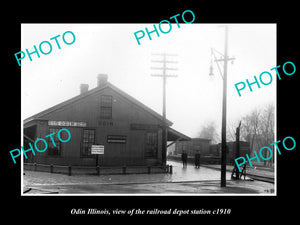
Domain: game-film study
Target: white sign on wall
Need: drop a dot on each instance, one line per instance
(67, 123)
(97, 149)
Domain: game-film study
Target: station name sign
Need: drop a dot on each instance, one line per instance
(67, 123)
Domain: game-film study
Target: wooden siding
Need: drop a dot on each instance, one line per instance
(124, 113)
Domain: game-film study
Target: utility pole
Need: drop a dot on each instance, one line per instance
(225, 59)
(164, 75)
(223, 159)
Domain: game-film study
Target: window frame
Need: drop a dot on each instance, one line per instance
(151, 140)
(106, 106)
(89, 143)
(57, 142)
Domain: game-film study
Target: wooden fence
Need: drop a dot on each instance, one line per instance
(98, 170)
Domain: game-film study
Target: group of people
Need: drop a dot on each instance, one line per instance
(184, 157)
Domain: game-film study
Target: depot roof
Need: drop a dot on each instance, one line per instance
(172, 134)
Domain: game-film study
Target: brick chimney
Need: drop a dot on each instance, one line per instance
(102, 80)
(84, 88)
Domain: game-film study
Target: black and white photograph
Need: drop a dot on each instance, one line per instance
(138, 112)
(150, 115)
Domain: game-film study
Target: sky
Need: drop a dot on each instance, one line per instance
(193, 98)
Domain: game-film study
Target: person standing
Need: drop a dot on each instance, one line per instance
(197, 159)
(184, 159)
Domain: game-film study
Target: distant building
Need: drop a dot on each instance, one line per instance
(190, 147)
(171, 149)
(231, 150)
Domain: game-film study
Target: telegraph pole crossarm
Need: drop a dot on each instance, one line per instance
(160, 68)
(158, 75)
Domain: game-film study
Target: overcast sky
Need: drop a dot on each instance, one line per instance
(193, 98)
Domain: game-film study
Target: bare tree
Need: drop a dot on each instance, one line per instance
(266, 130)
(258, 129)
(267, 124)
(249, 130)
(209, 131)
(231, 130)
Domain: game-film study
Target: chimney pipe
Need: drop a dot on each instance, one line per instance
(84, 88)
(102, 80)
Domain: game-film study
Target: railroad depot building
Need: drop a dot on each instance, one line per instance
(130, 132)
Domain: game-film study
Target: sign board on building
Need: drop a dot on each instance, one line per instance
(97, 149)
(121, 139)
(139, 126)
(67, 123)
